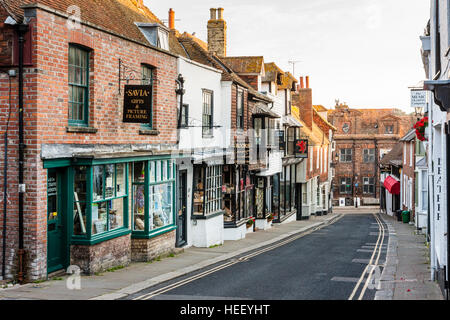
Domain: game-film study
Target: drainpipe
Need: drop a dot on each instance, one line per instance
(21, 30)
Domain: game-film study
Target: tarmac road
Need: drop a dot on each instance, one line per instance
(327, 264)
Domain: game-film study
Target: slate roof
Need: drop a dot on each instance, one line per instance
(117, 16)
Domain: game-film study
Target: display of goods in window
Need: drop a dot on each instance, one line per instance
(420, 127)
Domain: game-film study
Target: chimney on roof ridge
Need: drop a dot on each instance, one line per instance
(217, 33)
(171, 19)
(213, 12)
(220, 13)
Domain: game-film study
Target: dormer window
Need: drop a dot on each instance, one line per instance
(156, 34)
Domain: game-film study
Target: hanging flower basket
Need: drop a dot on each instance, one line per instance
(420, 128)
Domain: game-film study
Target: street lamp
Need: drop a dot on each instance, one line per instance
(418, 111)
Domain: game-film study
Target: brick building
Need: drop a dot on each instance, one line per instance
(88, 173)
(363, 136)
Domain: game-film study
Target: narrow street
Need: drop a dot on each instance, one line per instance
(340, 254)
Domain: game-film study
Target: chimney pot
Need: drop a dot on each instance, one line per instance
(307, 82)
(171, 19)
(220, 13)
(213, 14)
(302, 83)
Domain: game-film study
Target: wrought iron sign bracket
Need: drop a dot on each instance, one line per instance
(128, 74)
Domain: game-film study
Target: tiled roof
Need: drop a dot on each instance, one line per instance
(287, 80)
(271, 72)
(315, 135)
(196, 52)
(245, 64)
(320, 108)
(394, 156)
(117, 16)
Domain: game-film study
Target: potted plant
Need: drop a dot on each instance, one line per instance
(420, 127)
(270, 218)
(250, 223)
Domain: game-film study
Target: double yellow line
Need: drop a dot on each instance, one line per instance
(180, 283)
(376, 251)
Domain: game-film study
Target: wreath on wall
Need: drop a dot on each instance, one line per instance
(420, 127)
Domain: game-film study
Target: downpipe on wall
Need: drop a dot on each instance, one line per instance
(21, 31)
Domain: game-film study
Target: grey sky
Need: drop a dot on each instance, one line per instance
(363, 52)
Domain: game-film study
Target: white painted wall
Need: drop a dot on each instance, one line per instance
(198, 77)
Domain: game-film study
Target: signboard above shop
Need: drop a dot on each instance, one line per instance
(137, 104)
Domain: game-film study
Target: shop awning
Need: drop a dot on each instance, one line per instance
(290, 121)
(264, 111)
(392, 185)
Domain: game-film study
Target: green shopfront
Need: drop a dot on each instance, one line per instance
(107, 210)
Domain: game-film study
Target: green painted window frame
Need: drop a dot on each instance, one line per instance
(148, 71)
(77, 122)
(89, 238)
(148, 233)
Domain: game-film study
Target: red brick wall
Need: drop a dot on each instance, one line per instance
(303, 100)
(46, 116)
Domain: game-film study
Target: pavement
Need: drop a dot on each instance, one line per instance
(119, 283)
(405, 275)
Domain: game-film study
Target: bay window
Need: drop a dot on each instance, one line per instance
(207, 198)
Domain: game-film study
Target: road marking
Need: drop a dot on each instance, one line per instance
(376, 262)
(369, 250)
(355, 289)
(180, 283)
(345, 279)
(365, 261)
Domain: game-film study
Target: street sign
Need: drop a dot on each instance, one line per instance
(418, 98)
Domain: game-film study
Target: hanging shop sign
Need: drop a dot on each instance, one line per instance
(418, 98)
(137, 104)
(301, 148)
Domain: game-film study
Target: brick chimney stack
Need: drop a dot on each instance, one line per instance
(217, 33)
(171, 19)
(303, 100)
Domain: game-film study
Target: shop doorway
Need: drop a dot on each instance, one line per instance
(57, 248)
(182, 209)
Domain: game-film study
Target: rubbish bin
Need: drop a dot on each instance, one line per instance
(405, 216)
(399, 215)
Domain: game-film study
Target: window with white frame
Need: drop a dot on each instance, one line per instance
(411, 147)
(424, 190)
(345, 185)
(346, 155)
(369, 155)
(207, 112)
(318, 158)
(404, 153)
(368, 185)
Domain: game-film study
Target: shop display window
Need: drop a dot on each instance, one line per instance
(207, 190)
